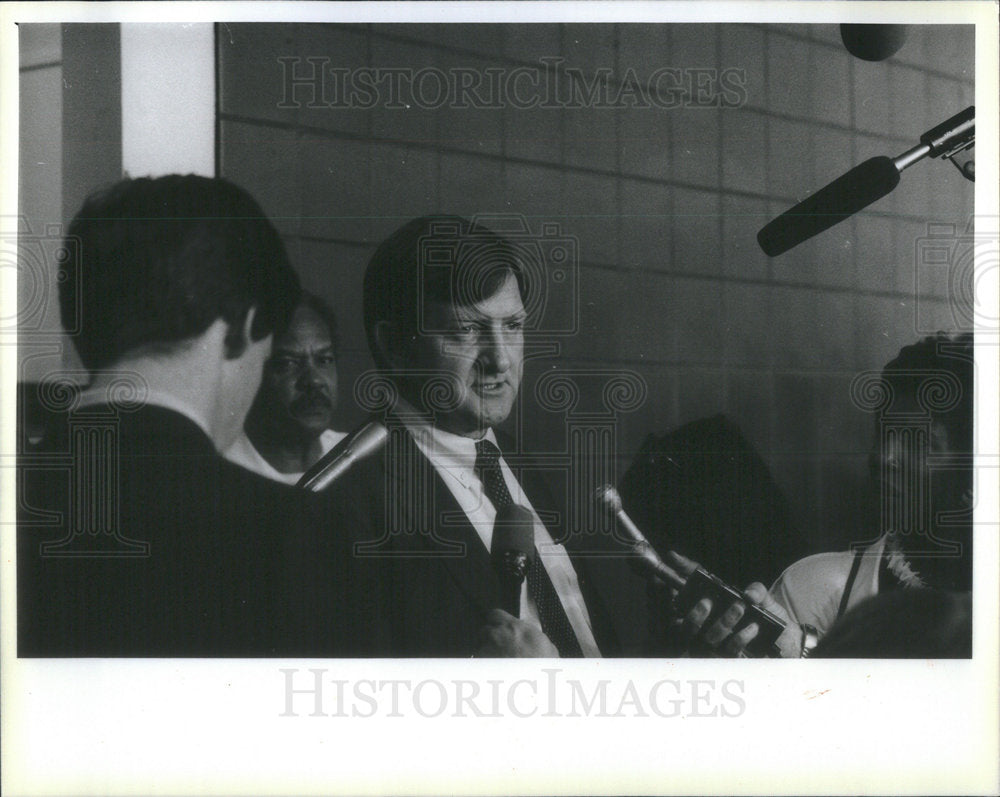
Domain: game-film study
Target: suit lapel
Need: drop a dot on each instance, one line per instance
(432, 524)
(554, 514)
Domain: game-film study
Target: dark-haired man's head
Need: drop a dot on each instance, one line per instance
(922, 460)
(166, 267)
(903, 624)
(444, 305)
(161, 259)
(298, 392)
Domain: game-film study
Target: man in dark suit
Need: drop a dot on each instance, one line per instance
(444, 306)
(136, 538)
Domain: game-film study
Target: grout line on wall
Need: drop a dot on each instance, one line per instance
(36, 67)
(593, 171)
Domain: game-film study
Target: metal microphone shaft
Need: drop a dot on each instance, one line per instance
(644, 556)
(357, 445)
(698, 585)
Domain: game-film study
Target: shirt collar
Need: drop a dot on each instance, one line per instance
(453, 452)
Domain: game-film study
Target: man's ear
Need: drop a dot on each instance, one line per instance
(238, 336)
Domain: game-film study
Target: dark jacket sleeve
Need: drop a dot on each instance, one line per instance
(336, 603)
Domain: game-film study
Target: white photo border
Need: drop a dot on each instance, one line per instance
(115, 727)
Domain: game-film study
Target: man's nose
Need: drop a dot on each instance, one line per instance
(495, 352)
(309, 376)
(888, 457)
(901, 450)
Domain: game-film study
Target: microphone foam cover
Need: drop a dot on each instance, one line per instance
(513, 530)
(607, 498)
(845, 196)
(873, 42)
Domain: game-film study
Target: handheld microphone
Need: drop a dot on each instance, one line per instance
(863, 185)
(512, 551)
(698, 584)
(644, 560)
(331, 466)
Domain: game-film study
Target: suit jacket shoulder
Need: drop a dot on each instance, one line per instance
(137, 539)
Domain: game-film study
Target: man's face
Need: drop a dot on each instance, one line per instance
(914, 490)
(299, 387)
(900, 465)
(479, 349)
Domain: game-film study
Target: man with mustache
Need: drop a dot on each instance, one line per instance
(288, 427)
(136, 538)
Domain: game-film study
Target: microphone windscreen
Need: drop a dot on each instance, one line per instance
(513, 531)
(845, 196)
(873, 42)
(607, 498)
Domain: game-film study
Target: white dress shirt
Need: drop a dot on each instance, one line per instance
(454, 458)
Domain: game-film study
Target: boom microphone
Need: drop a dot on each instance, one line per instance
(845, 196)
(873, 42)
(862, 185)
(331, 466)
(512, 551)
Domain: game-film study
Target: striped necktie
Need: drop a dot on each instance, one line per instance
(555, 623)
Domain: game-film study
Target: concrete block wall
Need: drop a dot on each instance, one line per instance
(664, 204)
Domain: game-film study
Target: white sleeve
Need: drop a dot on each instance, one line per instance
(810, 590)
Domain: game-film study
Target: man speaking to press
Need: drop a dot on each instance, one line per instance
(447, 516)
(448, 340)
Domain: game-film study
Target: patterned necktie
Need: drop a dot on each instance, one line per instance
(555, 624)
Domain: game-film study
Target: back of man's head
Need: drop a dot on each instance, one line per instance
(437, 258)
(903, 624)
(162, 259)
